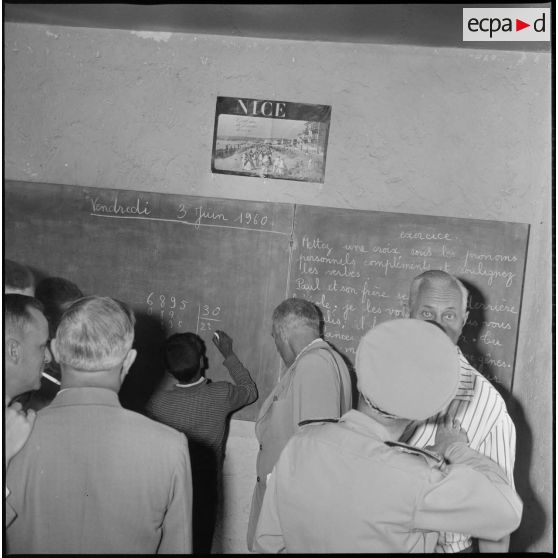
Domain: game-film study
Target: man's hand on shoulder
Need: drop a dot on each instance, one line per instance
(448, 433)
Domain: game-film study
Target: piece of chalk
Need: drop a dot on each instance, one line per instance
(52, 379)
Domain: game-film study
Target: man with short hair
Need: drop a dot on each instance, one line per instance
(316, 385)
(94, 477)
(18, 279)
(56, 294)
(26, 349)
(25, 355)
(200, 408)
(350, 487)
(442, 298)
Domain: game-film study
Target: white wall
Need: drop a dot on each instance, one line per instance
(456, 132)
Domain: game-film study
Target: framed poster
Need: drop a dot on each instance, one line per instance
(270, 139)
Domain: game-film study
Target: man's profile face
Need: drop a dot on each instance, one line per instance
(442, 303)
(34, 351)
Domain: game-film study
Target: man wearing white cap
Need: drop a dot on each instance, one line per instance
(348, 486)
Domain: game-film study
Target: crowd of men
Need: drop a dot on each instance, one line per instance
(421, 460)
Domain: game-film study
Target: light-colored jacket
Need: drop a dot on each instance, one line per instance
(316, 386)
(96, 478)
(338, 488)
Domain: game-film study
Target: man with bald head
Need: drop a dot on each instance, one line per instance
(94, 477)
(439, 297)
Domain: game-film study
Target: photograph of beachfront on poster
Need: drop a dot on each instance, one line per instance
(271, 146)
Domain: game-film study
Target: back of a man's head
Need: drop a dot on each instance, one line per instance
(295, 313)
(183, 353)
(18, 279)
(94, 334)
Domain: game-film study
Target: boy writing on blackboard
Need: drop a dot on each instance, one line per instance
(199, 408)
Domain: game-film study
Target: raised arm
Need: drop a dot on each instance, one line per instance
(245, 390)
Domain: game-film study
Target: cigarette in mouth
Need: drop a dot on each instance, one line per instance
(51, 378)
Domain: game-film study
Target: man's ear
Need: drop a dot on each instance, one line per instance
(54, 349)
(13, 350)
(127, 363)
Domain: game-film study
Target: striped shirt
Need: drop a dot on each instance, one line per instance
(200, 411)
(483, 415)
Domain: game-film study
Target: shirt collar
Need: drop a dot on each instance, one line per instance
(85, 396)
(318, 342)
(315, 343)
(196, 383)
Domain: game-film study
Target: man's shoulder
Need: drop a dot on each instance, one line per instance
(319, 355)
(179, 394)
(143, 426)
(341, 438)
(122, 427)
(420, 456)
(478, 383)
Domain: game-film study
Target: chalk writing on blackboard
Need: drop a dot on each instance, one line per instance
(180, 314)
(139, 207)
(195, 216)
(357, 266)
(326, 268)
(191, 263)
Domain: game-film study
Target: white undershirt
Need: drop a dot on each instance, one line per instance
(202, 379)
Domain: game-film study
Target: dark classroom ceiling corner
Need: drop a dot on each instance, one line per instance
(433, 25)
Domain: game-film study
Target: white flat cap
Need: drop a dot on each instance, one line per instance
(407, 368)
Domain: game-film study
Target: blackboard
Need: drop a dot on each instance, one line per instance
(188, 263)
(358, 265)
(183, 264)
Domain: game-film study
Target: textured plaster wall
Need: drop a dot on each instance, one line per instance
(456, 132)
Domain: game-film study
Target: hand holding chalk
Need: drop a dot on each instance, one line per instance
(223, 342)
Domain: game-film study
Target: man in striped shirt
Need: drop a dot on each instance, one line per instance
(199, 408)
(440, 297)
